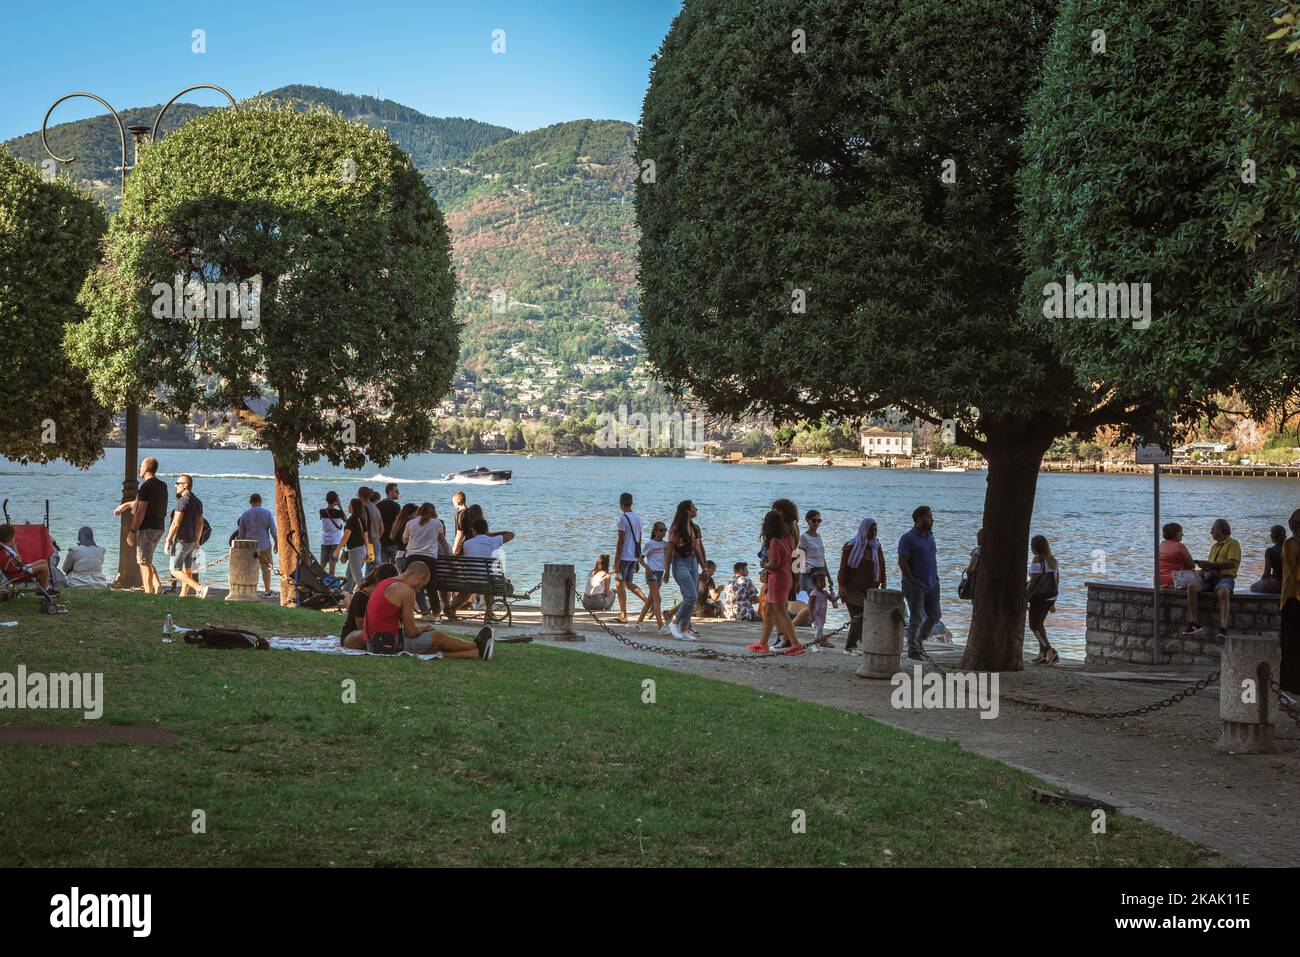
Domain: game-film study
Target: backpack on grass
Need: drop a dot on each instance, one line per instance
(227, 639)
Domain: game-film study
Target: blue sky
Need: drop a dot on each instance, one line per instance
(563, 60)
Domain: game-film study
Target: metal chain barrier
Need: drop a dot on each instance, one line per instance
(1288, 709)
(1173, 699)
(693, 654)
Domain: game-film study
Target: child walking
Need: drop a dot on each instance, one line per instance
(652, 557)
(818, 599)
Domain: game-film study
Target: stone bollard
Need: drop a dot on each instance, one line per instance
(558, 583)
(243, 570)
(1248, 724)
(882, 633)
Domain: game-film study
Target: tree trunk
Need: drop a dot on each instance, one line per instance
(997, 630)
(290, 521)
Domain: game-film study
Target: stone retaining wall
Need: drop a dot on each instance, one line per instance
(1119, 623)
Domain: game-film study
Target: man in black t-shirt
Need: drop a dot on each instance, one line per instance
(148, 512)
(183, 537)
(389, 509)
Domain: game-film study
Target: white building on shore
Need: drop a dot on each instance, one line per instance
(878, 441)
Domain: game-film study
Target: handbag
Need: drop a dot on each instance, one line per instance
(384, 643)
(966, 588)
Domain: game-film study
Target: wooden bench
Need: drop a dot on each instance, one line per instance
(478, 576)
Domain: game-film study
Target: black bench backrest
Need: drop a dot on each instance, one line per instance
(472, 574)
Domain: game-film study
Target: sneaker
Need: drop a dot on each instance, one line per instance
(915, 654)
(1192, 631)
(675, 631)
(795, 650)
(758, 648)
(1288, 699)
(690, 630)
(203, 590)
(485, 642)
(689, 635)
(1221, 637)
(853, 651)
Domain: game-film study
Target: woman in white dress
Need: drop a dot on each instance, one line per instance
(84, 564)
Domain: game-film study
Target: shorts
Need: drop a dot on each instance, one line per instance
(146, 540)
(598, 602)
(183, 556)
(264, 557)
(627, 571)
(1215, 581)
(420, 644)
(654, 576)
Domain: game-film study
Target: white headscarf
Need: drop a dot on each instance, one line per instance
(861, 543)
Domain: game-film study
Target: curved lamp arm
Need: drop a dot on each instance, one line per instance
(121, 130)
(153, 137)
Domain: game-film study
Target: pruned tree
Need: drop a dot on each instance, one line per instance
(831, 224)
(1262, 204)
(49, 241)
(290, 267)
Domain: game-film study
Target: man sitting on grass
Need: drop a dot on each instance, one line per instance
(391, 610)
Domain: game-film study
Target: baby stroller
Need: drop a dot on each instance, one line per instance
(314, 588)
(32, 543)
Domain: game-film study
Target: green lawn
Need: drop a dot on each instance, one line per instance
(561, 742)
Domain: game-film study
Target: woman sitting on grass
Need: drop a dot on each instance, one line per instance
(354, 621)
(598, 596)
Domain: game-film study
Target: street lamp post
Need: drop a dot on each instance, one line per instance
(128, 572)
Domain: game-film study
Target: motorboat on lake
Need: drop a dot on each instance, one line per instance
(479, 474)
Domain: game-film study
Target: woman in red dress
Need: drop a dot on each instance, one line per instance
(780, 579)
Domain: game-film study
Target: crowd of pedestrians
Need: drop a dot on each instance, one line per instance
(797, 583)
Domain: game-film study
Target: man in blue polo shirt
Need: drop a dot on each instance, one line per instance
(918, 560)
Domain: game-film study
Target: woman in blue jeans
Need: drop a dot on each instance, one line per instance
(687, 551)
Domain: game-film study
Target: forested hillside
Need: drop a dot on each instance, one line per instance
(544, 243)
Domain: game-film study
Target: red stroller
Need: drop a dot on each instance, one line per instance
(31, 544)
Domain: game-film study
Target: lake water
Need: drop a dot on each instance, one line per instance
(564, 509)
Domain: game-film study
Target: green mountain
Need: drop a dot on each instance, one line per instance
(430, 140)
(544, 242)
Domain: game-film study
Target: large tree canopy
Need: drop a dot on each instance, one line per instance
(780, 173)
(353, 257)
(351, 342)
(1262, 204)
(1127, 152)
(864, 159)
(49, 240)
